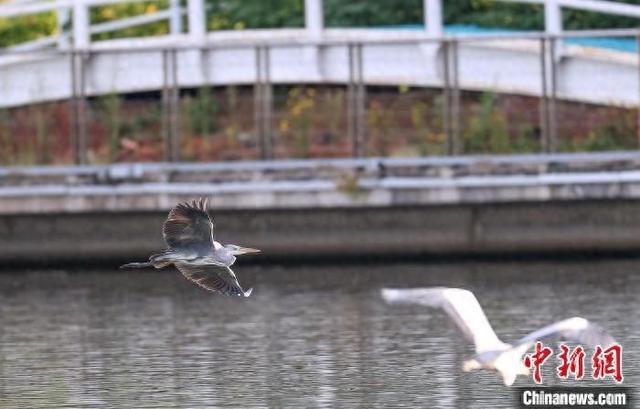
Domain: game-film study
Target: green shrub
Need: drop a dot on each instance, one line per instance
(487, 131)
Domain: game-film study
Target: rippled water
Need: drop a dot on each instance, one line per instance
(309, 337)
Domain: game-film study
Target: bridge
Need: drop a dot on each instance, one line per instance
(537, 64)
(69, 66)
(549, 65)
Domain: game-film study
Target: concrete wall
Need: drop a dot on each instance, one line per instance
(369, 207)
(498, 229)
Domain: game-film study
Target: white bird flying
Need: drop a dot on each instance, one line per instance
(491, 353)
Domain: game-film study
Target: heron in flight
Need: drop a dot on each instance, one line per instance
(192, 249)
(491, 353)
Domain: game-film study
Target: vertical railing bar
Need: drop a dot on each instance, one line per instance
(257, 100)
(543, 117)
(82, 111)
(361, 103)
(166, 132)
(446, 91)
(205, 52)
(256, 93)
(351, 113)
(73, 112)
(175, 20)
(78, 126)
(456, 117)
(553, 117)
(267, 105)
(175, 100)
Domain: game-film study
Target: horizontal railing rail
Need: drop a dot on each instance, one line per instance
(117, 46)
(372, 166)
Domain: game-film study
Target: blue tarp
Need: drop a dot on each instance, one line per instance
(618, 44)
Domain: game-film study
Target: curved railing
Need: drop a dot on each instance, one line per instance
(75, 13)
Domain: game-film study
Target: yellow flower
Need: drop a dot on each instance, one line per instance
(108, 13)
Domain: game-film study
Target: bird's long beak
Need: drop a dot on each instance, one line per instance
(247, 250)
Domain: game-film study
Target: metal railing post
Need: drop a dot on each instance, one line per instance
(548, 99)
(267, 97)
(456, 108)
(552, 17)
(73, 114)
(432, 10)
(175, 108)
(81, 33)
(175, 21)
(81, 41)
(263, 96)
(351, 129)
(170, 106)
(197, 23)
(446, 95)
(544, 114)
(553, 80)
(78, 109)
(166, 132)
(356, 101)
(314, 18)
(553, 23)
(360, 105)
(257, 99)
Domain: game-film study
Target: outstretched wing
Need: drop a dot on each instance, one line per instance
(460, 305)
(219, 279)
(574, 329)
(188, 224)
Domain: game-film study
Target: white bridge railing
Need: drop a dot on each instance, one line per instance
(77, 13)
(73, 67)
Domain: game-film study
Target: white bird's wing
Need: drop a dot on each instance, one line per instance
(461, 306)
(574, 329)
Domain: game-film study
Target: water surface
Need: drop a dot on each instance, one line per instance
(309, 337)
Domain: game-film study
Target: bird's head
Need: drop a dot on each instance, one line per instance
(237, 250)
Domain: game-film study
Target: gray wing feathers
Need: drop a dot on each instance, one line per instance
(188, 224)
(460, 305)
(220, 279)
(574, 329)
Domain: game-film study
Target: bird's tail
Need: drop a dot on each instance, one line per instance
(145, 264)
(248, 292)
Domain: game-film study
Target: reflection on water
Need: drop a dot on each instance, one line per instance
(309, 337)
